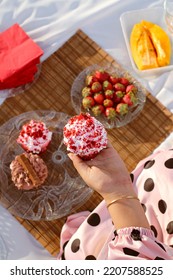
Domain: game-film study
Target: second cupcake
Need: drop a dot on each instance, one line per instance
(34, 137)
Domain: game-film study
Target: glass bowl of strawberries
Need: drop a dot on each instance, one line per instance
(108, 93)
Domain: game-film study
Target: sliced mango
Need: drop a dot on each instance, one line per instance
(150, 45)
(147, 24)
(143, 51)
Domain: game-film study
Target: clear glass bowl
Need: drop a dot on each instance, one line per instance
(6, 93)
(79, 83)
(63, 191)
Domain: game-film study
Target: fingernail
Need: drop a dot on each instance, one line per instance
(70, 156)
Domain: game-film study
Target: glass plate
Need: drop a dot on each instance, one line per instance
(63, 190)
(6, 93)
(79, 83)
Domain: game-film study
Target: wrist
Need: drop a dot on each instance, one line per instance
(127, 213)
(123, 192)
(120, 198)
(115, 189)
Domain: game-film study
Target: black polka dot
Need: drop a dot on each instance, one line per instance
(63, 256)
(93, 220)
(154, 230)
(115, 233)
(171, 246)
(169, 163)
(170, 228)
(75, 245)
(128, 251)
(90, 257)
(159, 258)
(162, 206)
(161, 246)
(149, 163)
(132, 177)
(135, 234)
(144, 207)
(65, 243)
(149, 185)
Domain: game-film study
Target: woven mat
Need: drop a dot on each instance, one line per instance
(52, 92)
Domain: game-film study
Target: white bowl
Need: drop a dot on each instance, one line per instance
(155, 15)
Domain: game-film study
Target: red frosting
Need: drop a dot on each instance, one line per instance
(34, 136)
(85, 136)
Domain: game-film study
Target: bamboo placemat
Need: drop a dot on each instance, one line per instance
(52, 92)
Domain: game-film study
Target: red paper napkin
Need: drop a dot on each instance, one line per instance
(19, 57)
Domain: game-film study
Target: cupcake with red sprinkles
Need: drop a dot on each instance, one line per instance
(85, 136)
(34, 137)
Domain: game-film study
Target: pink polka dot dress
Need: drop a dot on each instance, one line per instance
(92, 236)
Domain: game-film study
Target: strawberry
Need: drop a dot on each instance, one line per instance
(86, 91)
(118, 95)
(131, 88)
(88, 102)
(113, 79)
(99, 98)
(107, 85)
(90, 79)
(130, 99)
(109, 94)
(97, 110)
(122, 109)
(96, 87)
(101, 75)
(119, 86)
(108, 103)
(110, 113)
(124, 81)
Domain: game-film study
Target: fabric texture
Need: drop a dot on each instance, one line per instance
(19, 56)
(92, 236)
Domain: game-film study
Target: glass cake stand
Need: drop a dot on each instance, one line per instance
(63, 191)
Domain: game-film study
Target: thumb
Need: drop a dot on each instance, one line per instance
(79, 164)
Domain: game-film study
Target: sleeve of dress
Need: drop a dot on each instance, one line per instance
(138, 244)
(73, 222)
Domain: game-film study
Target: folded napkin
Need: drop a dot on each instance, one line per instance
(19, 57)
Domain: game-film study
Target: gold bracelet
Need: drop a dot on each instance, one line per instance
(122, 197)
